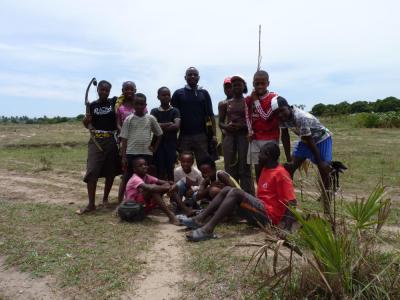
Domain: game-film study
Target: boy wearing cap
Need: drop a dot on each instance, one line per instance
(315, 141)
(235, 143)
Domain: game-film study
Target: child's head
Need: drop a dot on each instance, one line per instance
(228, 88)
(260, 82)
(269, 154)
(139, 105)
(282, 108)
(103, 89)
(187, 160)
(164, 95)
(140, 166)
(128, 90)
(207, 168)
(239, 86)
(192, 76)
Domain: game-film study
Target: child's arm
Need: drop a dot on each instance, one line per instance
(173, 126)
(155, 188)
(285, 137)
(289, 218)
(222, 106)
(225, 179)
(156, 144)
(118, 120)
(203, 189)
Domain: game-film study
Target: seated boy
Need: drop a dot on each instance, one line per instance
(275, 192)
(214, 181)
(315, 139)
(187, 179)
(147, 190)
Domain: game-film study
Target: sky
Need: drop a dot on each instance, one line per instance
(315, 51)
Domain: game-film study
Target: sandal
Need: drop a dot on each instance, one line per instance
(199, 235)
(85, 210)
(189, 223)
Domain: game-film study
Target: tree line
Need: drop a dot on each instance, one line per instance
(40, 120)
(379, 106)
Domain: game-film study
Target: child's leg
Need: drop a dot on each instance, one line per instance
(91, 189)
(214, 191)
(107, 188)
(178, 200)
(213, 206)
(158, 199)
(232, 200)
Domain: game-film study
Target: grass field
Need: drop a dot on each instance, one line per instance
(97, 257)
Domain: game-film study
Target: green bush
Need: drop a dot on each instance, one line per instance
(378, 120)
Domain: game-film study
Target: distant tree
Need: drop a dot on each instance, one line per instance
(300, 106)
(80, 117)
(318, 109)
(342, 108)
(387, 104)
(360, 106)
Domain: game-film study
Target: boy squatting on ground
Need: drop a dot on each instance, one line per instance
(315, 139)
(148, 190)
(274, 194)
(136, 136)
(187, 179)
(169, 119)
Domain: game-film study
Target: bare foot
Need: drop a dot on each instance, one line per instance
(85, 210)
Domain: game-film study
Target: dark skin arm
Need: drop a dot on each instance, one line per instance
(124, 143)
(222, 106)
(289, 218)
(171, 126)
(214, 129)
(203, 189)
(285, 137)
(155, 188)
(224, 178)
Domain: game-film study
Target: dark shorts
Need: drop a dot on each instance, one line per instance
(104, 163)
(252, 209)
(130, 158)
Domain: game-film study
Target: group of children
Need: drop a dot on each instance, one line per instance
(251, 127)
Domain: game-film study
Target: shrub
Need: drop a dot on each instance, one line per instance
(378, 120)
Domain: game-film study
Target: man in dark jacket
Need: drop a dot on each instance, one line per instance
(195, 106)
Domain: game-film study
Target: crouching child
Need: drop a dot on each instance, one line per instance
(147, 190)
(275, 194)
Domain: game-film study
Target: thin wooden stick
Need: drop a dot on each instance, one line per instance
(259, 48)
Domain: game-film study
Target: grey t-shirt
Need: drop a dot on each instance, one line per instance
(138, 131)
(305, 124)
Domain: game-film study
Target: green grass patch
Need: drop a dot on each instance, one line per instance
(93, 255)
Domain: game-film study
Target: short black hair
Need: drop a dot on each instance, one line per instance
(191, 69)
(163, 88)
(207, 161)
(102, 82)
(141, 95)
(135, 161)
(271, 149)
(187, 152)
(282, 102)
(261, 73)
(126, 83)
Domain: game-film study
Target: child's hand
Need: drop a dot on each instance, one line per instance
(151, 148)
(250, 136)
(254, 96)
(173, 188)
(189, 193)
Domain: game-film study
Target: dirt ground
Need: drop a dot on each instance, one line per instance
(163, 272)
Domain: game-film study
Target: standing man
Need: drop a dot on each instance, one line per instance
(195, 106)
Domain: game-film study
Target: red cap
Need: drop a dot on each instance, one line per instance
(227, 80)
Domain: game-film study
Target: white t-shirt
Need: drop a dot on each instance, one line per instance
(194, 176)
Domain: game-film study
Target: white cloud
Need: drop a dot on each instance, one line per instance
(305, 45)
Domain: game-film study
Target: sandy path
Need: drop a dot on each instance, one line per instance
(46, 187)
(161, 281)
(21, 286)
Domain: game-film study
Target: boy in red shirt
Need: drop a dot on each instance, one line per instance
(262, 124)
(274, 194)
